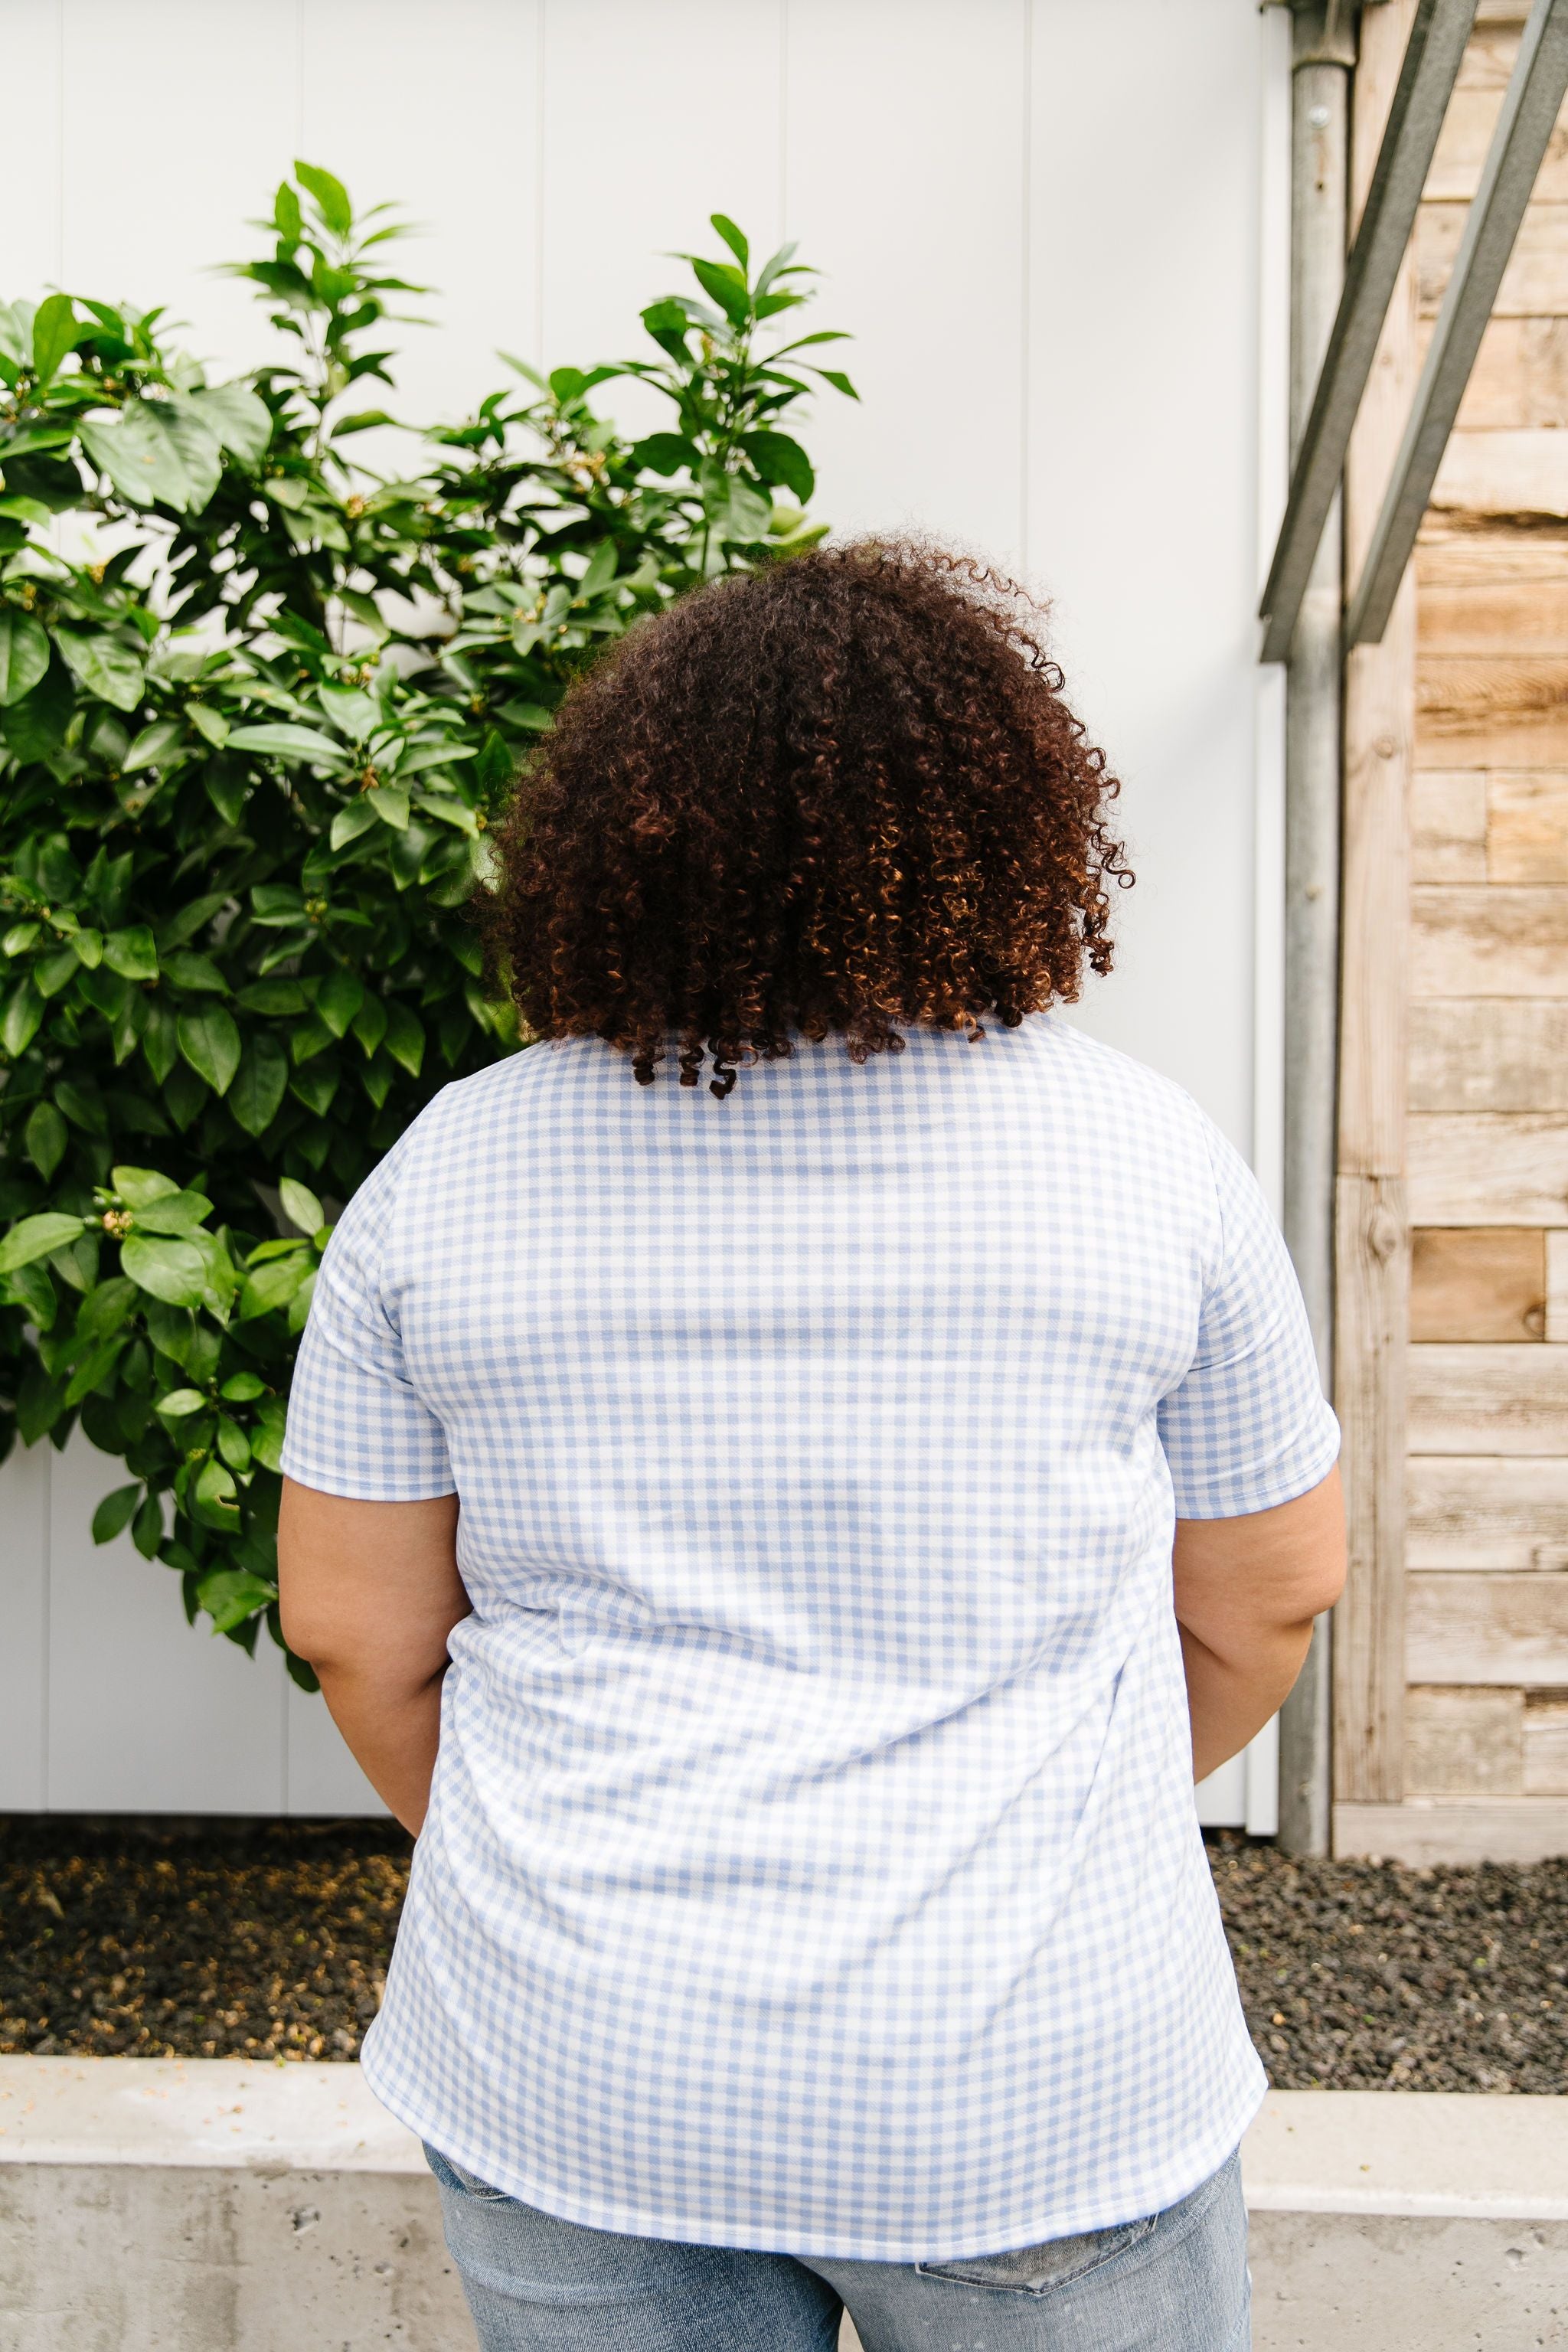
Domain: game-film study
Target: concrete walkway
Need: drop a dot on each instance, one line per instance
(165, 2205)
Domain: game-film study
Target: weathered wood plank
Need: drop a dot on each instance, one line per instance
(1491, 50)
(1467, 134)
(1372, 1229)
(1535, 283)
(1497, 1829)
(1487, 1629)
(1464, 1743)
(1545, 1743)
(1476, 562)
(1489, 941)
(1520, 377)
(1373, 1252)
(1490, 1168)
(1502, 1054)
(1484, 1512)
(1506, 712)
(1488, 1400)
(1476, 1283)
(1480, 595)
(1556, 1289)
(1509, 478)
(1449, 826)
(1527, 827)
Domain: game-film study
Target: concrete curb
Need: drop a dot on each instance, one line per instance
(171, 2205)
(1451, 2154)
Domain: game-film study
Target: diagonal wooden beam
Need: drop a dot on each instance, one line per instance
(1431, 65)
(1529, 109)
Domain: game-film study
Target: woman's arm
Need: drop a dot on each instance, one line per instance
(369, 1592)
(1246, 1593)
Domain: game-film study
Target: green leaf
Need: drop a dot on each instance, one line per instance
(140, 1187)
(89, 1373)
(277, 902)
(356, 713)
(179, 1402)
(390, 806)
(172, 1213)
(154, 746)
(197, 972)
(233, 1443)
(664, 453)
(351, 821)
(726, 286)
(404, 1037)
(208, 722)
(55, 971)
(174, 1271)
(240, 1387)
(105, 1309)
(242, 421)
(260, 1080)
(160, 1041)
(24, 1011)
(732, 238)
(55, 329)
(24, 654)
(316, 1084)
(338, 999)
(116, 1512)
(742, 516)
(131, 953)
(209, 1040)
(141, 455)
(600, 571)
(285, 741)
(229, 1595)
(267, 1437)
(269, 1286)
(300, 1205)
(83, 1105)
(35, 727)
(370, 1023)
(105, 667)
(778, 458)
(147, 1529)
(46, 1139)
(273, 996)
(38, 1237)
(330, 195)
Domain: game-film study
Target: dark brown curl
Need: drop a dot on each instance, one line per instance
(844, 794)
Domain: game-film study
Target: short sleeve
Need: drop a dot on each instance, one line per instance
(356, 1426)
(1248, 1426)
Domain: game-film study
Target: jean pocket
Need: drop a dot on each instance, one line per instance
(455, 2175)
(1035, 2270)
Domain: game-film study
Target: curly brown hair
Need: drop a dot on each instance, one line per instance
(843, 795)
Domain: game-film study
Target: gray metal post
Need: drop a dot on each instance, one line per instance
(1325, 53)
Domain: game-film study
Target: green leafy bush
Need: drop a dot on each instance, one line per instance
(260, 701)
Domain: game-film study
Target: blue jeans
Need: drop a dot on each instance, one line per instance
(1175, 2282)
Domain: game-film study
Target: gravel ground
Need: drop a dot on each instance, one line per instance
(272, 1941)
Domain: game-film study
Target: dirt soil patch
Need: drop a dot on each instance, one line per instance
(272, 1941)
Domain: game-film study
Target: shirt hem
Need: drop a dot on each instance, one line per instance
(1167, 2188)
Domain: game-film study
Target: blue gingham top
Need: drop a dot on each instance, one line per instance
(811, 1861)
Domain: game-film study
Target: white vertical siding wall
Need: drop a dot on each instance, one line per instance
(1049, 225)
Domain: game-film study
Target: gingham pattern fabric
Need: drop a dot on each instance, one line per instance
(811, 1861)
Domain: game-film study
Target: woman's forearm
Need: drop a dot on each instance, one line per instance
(391, 1734)
(1230, 1700)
